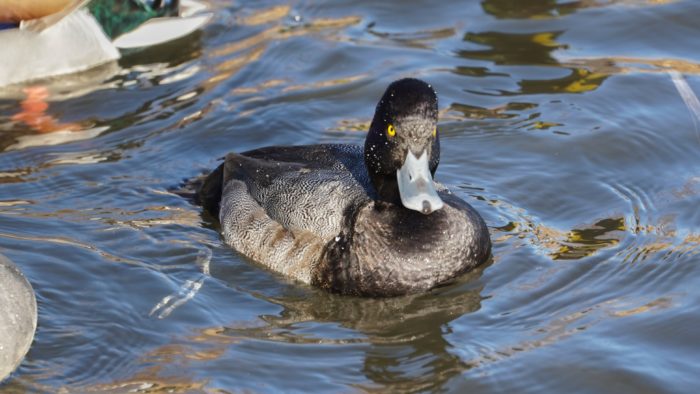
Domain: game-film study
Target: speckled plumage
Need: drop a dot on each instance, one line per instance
(270, 208)
(320, 215)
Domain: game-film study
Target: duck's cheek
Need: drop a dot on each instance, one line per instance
(389, 160)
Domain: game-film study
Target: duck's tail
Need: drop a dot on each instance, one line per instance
(209, 191)
(204, 190)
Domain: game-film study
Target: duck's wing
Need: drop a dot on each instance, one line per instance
(281, 206)
(312, 188)
(304, 188)
(323, 156)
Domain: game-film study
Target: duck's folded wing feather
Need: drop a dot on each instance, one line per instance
(250, 230)
(280, 207)
(301, 195)
(314, 156)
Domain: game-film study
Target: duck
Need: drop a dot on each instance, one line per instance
(355, 220)
(18, 316)
(49, 38)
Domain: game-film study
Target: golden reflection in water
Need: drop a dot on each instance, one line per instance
(585, 75)
(166, 216)
(465, 111)
(321, 25)
(269, 84)
(473, 71)
(16, 175)
(531, 49)
(663, 248)
(584, 242)
(150, 381)
(241, 53)
(197, 115)
(574, 244)
(530, 9)
(280, 31)
(228, 68)
(513, 48)
(419, 39)
(579, 81)
(659, 303)
(667, 244)
(326, 83)
(14, 203)
(546, 9)
(265, 16)
(351, 125)
(457, 112)
(626, 65)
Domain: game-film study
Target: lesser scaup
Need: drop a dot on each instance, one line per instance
(355, 220)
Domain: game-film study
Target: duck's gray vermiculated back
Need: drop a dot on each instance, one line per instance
(281, 206)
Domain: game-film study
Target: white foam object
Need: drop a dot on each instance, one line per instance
(160, 30)
(73, 44)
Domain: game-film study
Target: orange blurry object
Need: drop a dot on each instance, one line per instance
(33, 112)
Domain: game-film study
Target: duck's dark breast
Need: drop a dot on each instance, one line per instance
(390, 250)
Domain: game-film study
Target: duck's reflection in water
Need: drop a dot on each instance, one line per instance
(400, 342)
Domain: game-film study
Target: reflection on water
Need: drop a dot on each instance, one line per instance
(580, 80)
(510, 48)
(37, 122)
(545, 9)
(413, 327)
(584, 242)
(532, 9)
(530, 49)
(577, 143)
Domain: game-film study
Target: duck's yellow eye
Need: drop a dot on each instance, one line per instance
(391, 130)
(434, 131)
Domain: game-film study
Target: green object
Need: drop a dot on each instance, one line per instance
(122, 16)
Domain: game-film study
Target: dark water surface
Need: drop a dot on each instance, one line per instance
(560, 123)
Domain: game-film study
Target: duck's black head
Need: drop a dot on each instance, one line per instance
(402, 149)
